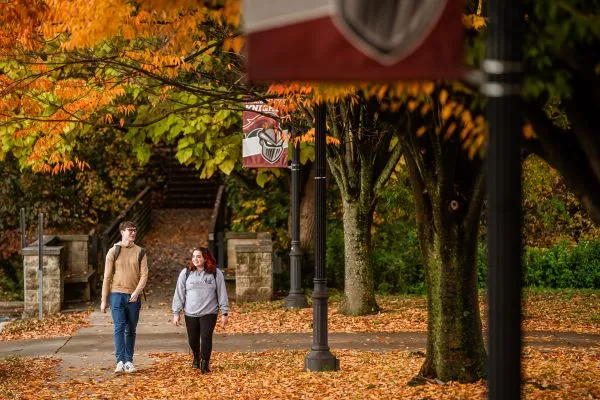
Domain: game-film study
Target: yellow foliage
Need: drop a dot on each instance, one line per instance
(450, 130)
(425, 109)
(86, 23)
(381, 92)
(473, 21)
(332, 140)
(428, 88)
(234, 44)
(447, 111)
(528, 131)
(443, 96)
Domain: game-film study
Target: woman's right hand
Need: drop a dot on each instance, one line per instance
(176, 319)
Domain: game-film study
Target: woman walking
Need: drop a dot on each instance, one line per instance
(201, 293)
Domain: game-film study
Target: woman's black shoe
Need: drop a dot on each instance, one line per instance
(196, 362)
(204, 366)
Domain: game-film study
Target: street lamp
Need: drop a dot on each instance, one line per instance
(504, 68)
(295, 298)
(320, 358)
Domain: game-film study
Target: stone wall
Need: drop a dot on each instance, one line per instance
(250, 265)
(235, 239)
(53, 277)
(254, 272)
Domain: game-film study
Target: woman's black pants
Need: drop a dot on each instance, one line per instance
(201, 328)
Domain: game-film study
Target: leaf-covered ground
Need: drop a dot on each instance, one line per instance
(50, 326)
(558, 311)
(548, 374)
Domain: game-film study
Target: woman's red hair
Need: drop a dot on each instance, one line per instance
(210, 264)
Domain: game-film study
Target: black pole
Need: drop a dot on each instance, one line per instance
(23, 234)
(40, 265)
(504, 68)
(320, 358)
(295, 298)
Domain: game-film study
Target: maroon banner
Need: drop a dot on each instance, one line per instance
(264, 143)
(354, 39)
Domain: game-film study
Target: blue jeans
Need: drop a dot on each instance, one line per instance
(125, 316)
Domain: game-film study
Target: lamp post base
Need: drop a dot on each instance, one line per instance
(295, 300)
(321, 360)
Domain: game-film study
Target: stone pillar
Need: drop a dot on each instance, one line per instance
(254, 272)
(53, 274)
(235, 239)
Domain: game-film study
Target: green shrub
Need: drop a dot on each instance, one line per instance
(397, 261)
(334, 259)
(561, 266)
(11, 278)
(396, 254)
(551, 213)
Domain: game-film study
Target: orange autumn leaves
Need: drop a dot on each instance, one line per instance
(50, 326)
(444, 107)
(28, 23)
(557, 311)
(561, 312)
(552, 373)
(43, 110)
(56, 76)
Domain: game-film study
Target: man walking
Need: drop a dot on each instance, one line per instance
(125, 275)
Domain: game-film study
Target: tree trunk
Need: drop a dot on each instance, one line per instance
(448, 189)
(360, 165)
(359, 286)
(455, 349)
(307, 211)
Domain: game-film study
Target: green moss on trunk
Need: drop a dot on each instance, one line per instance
(455, 349)
(359, 287)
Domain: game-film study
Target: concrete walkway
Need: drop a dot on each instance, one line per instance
(90, 351)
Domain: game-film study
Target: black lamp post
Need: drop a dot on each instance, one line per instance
(504, 68)
(295, 298)
(320, 358)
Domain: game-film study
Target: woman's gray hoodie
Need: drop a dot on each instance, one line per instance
(198, 294)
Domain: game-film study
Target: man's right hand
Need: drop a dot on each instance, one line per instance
(103, 306)
(176, 319)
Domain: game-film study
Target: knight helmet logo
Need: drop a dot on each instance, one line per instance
(271, 143)
(387, 30)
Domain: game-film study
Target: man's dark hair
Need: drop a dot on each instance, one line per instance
(127, 224)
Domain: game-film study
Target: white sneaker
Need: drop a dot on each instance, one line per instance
(129, 367)
(120, 367)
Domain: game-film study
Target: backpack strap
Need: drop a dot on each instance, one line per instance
(187, 274)
(141, 256)
(216, 284)
(117, 252)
